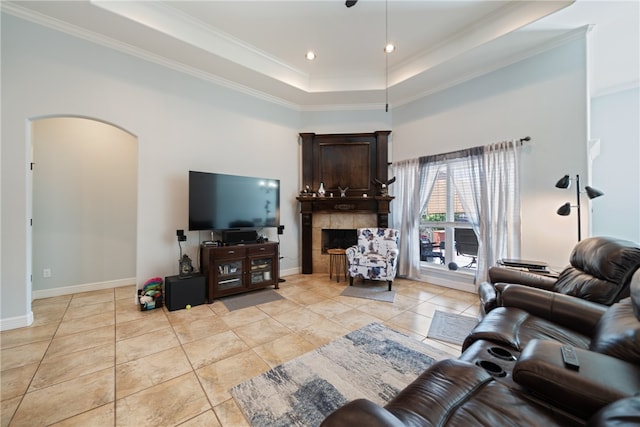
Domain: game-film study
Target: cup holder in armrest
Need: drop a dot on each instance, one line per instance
(492, 368)
(501, 353)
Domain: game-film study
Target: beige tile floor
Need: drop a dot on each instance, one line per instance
(94, 359)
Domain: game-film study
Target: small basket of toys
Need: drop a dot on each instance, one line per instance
(150, 296)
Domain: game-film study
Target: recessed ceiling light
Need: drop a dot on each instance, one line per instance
(390, 47)
(311, 55)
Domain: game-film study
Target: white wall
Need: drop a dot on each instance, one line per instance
(544, 97)
(84, 197)
(182, 123)
(615, 121)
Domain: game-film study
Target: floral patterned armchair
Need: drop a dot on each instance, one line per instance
(375, 256)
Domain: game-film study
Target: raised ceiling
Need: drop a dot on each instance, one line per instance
(259, 46)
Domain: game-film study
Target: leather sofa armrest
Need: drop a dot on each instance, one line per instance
(361, 412)
(574, 313)
(599, 380)
(509, 275)
(488, 297)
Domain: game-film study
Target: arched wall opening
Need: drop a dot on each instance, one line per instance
(84, 205)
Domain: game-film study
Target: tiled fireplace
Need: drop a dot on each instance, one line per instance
(334, 221)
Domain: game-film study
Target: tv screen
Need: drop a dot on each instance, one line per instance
(222, 202)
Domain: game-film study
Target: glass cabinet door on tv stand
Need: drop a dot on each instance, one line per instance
(261, 266)
(229, 275)
(226, 271)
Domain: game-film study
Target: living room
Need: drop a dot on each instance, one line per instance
(182, 122)
(211, 125)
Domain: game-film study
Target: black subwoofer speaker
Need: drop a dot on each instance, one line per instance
(180, 292)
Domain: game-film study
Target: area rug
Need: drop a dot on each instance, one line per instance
(450, 327)
(378, 293)
(374, 362)
(236, 302)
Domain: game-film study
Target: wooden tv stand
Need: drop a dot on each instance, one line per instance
(241, 268)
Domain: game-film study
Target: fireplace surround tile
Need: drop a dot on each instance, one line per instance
(338, 221)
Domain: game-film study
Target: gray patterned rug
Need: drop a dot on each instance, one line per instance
(368, 291)
(450, 327)
(262, 296)
(374, 362)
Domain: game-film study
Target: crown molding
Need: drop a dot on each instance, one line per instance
(552, 43)
(92, 37)
(503, 21)
(180, 26)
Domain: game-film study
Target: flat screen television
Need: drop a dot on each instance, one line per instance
(223, 202)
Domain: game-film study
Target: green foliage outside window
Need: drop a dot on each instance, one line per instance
(441, 217)
(435, 217)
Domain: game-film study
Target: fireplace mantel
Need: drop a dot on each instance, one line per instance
(375, 204)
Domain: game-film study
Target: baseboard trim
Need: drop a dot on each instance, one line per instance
(16, 322)
(290, 271)
(86, 287)
(459, 280)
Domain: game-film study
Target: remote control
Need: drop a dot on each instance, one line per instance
(570, 357)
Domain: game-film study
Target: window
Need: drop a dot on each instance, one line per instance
(443, 218)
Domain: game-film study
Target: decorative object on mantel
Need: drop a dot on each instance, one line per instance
(321, 190)
(306, 192)
(384, 186)
(343, 191)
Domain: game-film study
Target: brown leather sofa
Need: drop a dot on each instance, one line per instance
(600, 270)
(512, 373)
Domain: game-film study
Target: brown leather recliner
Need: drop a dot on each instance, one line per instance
(529, 313)
(536, 387)
(600, 270)
(451, 393)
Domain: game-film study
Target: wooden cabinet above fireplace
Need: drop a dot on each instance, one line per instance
(353, 160)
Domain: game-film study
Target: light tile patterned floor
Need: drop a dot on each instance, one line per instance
(94, 359)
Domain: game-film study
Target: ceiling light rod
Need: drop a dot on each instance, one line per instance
(386, 56)
(564, 210)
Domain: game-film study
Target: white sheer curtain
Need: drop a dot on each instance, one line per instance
(501, 214)
(488, 186)
(406, 215)
(468, 181)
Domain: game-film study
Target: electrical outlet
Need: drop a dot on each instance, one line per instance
(46, 273)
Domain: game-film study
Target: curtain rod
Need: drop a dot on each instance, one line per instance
(465, 152)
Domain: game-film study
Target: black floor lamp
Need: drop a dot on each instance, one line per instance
(564, 210)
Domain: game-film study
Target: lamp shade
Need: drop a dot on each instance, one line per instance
(564, 182)
(564, 210)
(592, 193)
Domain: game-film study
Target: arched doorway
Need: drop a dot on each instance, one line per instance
(84, 196)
